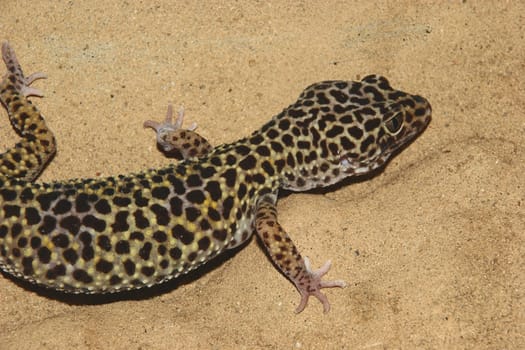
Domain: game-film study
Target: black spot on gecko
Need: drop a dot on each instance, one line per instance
(287, 139)
(11, 210)
(88, 253)
(108, 192)
(377, 96)
(259, 178)
(44, 255)
(339, 95)
(122, 247)
(145, 251)
(227, 206)
(334, 148)
(71, 256)
(175, 253)
(214, 214)
(56, 271)
(192, 256)
(216, 161)
(248, 163)
(257, 139)
(115, 280)
(263, 151)
(366, 143)
(82, 203)
(137, 236)
(139, 199)
(129, 266)
(22, 242)
(195, 196)
(207, 172)
(121, 201)
(156, 178)
(121, 223)
(192, 213)
(104, 242)
(9, 195)
(27, 263)
(104, 266)
(61, 240)
(82, 276)
(32, 216)
(284, 124)
(230, 159)
(334, 131)
(177, 184)
(164, 263)
(161, 214)
(160, 192)
(230, 176)
(355, 132)
(27, 195)
(140, 220)
(48, 225)
(214, 189)
(46, 199)
(179, 232)
(272, 133)
(276, 146)
(242, 150)
(176, 206)
(204, 243)
(70, 223)
(103, 207)
(98, 225)
(205, 225)
(35, 242)
(194, 181)
(160, 236)
(372, 124)
(241, 192)
(290, 160)
(85, 238)
(279, 164)
(220, 235)
(62, 207)
(147, 271)
(296, 113)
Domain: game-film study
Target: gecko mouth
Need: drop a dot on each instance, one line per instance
(356, 167)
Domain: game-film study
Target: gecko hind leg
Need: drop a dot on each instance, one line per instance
(18, 81)
(28, 157)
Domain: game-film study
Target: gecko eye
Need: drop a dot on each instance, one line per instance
(395, 124)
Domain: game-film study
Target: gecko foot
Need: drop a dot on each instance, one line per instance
(312, 283)
(22, 83)
(167, 127)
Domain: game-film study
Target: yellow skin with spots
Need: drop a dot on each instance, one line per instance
(132, 231)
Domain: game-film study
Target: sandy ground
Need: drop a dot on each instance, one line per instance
(433, 248)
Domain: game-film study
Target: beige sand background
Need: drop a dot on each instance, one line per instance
(432, 248)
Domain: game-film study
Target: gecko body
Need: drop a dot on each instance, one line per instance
(131, 231)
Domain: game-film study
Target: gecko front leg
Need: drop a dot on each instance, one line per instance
(171, 137)
(284, 254)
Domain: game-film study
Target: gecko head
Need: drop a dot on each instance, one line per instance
(352, 128)
(388, 127)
